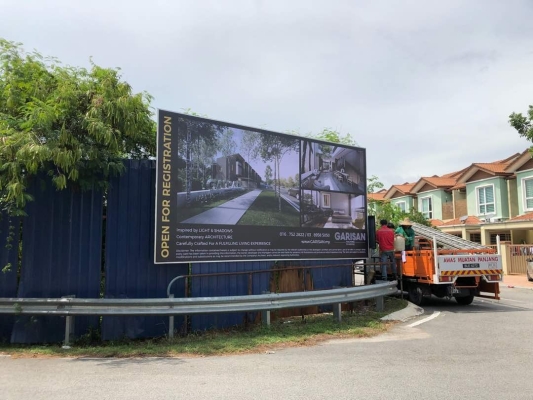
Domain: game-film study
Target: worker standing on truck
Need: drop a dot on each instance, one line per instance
(405, 229)
(385, 239)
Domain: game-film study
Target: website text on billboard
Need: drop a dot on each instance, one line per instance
(227, 192)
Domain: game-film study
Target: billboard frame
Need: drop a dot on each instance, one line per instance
(160, 131)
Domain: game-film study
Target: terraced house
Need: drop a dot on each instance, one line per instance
(476, 203)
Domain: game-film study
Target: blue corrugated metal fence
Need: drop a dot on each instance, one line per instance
(9, 245)
(61, 256)
(62, 239)
(130, 270)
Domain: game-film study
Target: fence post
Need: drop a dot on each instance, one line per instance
(171, 322)
(380, 303)
(337, 314)
(265, 314)
(265, 317)
(69, 326)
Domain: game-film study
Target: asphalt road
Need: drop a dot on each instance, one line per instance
(481, 351)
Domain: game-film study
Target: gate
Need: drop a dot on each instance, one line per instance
(519, 255)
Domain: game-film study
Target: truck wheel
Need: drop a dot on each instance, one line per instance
(416, 296)
(464, 301)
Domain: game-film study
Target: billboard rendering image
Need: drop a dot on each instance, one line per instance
(226, 192)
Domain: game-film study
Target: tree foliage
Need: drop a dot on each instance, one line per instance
(523, 124)
(197, 146)
(374, 184)
(268, 174)
(273, 148)
(384, 209)
(392, 213)
(330, 135)
(71, 123)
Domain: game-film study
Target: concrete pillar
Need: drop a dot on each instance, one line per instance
(506, 257)
(485, 237)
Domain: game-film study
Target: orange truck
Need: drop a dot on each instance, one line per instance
(451, 267)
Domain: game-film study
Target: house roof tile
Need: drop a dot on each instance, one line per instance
(377, 195)
(470, 220)
(441, 181)
(523, 217)
(458, 186)
(404, 189)
(524, 157)
(496, 168)
(454, 174)
(458, 179)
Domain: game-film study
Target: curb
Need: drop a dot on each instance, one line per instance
(409, 312)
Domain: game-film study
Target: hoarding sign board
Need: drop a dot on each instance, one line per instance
(226, 192)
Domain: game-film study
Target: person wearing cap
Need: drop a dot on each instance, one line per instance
(385, 239)
(405, 229)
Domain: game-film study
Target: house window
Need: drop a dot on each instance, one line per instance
(475, 237)
(326, 200)
(485, 198)
(528, 194)
(427, 207)
(504, 237)
(401, 205)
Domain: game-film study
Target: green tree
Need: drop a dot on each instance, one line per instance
(373, 184)
(523, 124)
(290, 182)
(274, 148)
(249, 145)
(268, 174)
(74, 124)
(330, 135)
(226, 143)
(197, 144)
(384, 209)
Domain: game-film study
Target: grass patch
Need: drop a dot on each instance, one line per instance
(188, 212)
(265, 211)
(289, 332)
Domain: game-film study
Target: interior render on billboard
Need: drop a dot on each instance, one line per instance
(330, 167)
(217, 183)
(332, 210)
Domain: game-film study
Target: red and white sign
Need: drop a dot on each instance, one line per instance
(472, 262)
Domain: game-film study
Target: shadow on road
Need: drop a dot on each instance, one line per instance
(125, 362)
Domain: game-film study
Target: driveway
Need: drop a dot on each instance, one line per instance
(517, 281)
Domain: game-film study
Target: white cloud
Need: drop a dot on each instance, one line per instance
(426, 87)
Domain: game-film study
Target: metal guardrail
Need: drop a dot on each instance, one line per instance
(70, 307)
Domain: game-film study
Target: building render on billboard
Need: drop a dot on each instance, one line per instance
(234, 168)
